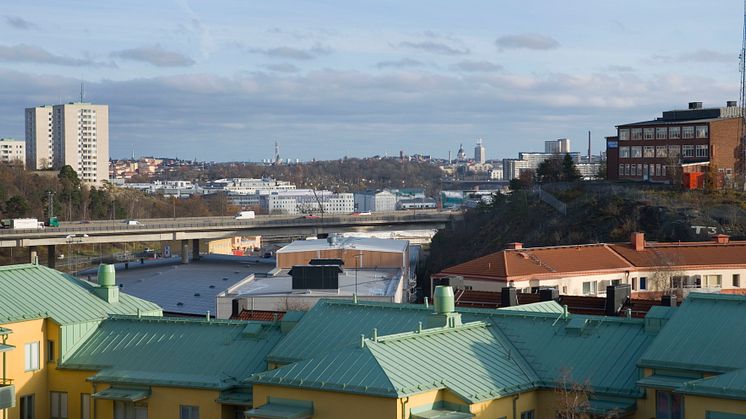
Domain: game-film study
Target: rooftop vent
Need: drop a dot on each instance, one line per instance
(310, 277)
(616, 297)
(548, 294)
(721, 238)
(445, 312)
(668, 301)
(508, 297)
(515, 245)
(576, 325)
(107, 285)
(695, 105)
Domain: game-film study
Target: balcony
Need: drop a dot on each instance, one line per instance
(7, 394)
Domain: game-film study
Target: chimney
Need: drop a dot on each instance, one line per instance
(721, 238)
(508, 297)
(668, 301)
(731, 104)
(107, 285)
(616, 297)
(515, 245)
(548, 294)
(445, 313)
(638, 241)
(695, 105)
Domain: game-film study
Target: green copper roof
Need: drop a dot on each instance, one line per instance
(33, 291)
(731, 385)
(481, 365)
(695, 336)
(173, 351)
(603, 353)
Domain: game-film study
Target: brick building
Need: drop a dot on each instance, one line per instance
(680, 146)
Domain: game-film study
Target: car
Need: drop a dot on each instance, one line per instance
(132, 223)
(310, 216)
(357, 214)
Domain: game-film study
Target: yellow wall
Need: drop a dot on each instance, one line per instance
(329, 404)
(33, 382)
(696, 407)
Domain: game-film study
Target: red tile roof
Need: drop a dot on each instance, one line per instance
(551, 262)
(258, 315)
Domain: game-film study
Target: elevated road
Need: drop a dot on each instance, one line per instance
(209, 228)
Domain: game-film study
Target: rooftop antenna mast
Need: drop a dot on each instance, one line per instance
(82, 95)
(742, 98)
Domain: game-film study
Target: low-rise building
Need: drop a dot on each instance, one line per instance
(307, 201)
(375, 201)
(589, 269)
(12, 151)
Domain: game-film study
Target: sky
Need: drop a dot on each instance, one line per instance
(223, 80)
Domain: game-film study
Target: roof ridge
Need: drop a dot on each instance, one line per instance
(184, 320)
(430, 331)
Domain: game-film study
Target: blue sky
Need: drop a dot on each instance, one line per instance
(222, 80)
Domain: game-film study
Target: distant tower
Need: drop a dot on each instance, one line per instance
(479, 153)
(82, 92)
(461, 155)
(277, 153)
(449, 157)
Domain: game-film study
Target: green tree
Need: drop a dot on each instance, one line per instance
(17, 207)
(570, 173)
(550, 170)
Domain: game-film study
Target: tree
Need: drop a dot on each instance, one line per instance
(570, 173)
(17, 207)
(550, 170)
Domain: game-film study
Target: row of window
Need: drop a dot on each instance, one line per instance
(677, 282)
(662, 151)
(664, 133)
(643, 169)
(58, 408)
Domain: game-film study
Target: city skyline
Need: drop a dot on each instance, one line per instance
(339, 79)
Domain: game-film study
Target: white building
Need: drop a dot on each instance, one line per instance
(512, 168)
(74, 134)
(307, 201)
(375, 201)
(479, 152)
(561, 146)
(12, 151)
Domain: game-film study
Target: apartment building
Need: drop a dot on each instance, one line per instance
(12, 151)
(306, 201)
(375, 201)
(74, 134)
(680, 146)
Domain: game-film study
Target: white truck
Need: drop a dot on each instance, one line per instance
(245, 215)
(26, 224)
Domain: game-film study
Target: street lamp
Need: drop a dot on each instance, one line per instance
(357, 267)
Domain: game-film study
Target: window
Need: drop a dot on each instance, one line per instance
(643, 283)
(661, 133)
(529, 414)
(85, 406)
(674, 150)
(736, 280)
(635, 152)
(623, 134)
(188, 412)
(702, 131)
(639, 169)
(648, 151)
(50, 351)
(31, 351)
(687, 150)
(589, 287)
(130, 410)
(627, 169)
(687, 132)
(713, 281)
(658, 170)
(621, 170)
(623, 152)
(674, 133)
(648, 133)
(28, 407)
(634, 284)
(703, 150)
(668, 405)
(661, 151)
(663, 170)
(636, 133)
(57, 405)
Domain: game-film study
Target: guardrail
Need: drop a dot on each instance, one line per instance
(146, 226)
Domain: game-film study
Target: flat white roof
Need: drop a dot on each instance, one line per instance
(378, 282)
(350, 243)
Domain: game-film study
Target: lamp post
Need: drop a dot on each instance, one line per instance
(357, 267)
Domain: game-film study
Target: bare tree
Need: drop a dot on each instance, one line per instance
(572, 397)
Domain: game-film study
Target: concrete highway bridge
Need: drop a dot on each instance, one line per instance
(210, 228)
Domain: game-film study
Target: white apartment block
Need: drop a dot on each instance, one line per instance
(306, 201)
(79, 138)
(12, 151)
(375, 201)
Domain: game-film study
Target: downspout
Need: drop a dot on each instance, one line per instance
(515, 411)
(5, 411)
(404, 401)
(93, 409)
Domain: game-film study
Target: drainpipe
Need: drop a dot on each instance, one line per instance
(93, 410)
(515, 411)
(5, 411)
(404, 401)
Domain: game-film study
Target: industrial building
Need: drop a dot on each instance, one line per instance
(360, 252)
(74, 134)
(307, 201)
(12, 151)
(375, 201)
(681, 146)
